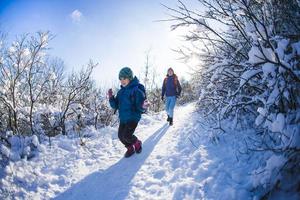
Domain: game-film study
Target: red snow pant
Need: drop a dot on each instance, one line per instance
(125, 133)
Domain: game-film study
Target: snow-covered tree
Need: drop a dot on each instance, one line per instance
(37, 98)
(21, 71)
(75, 90)
(249, 71)
(188, 93)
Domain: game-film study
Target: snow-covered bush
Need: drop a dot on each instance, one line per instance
(249, 71)
(17, 147)
(37, 99)
(188, 93)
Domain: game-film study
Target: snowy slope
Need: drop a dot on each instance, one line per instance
(170, 166)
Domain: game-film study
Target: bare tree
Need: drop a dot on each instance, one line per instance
(53, 93)
(77, 85)
(37, 73)
(19, 61)
(147, 67)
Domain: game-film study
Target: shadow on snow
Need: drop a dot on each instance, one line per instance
(114, 182)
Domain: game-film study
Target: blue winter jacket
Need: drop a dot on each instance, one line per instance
(170, 88)
(129, 106)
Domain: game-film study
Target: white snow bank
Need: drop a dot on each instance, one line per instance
(278, 124)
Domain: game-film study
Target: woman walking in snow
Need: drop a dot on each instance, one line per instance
(172, 89)
(129, 101)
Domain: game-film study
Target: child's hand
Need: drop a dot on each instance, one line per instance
(110, 93)
(146, 104)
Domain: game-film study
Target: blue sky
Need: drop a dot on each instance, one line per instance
(115, 33)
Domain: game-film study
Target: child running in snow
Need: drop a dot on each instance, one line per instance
(129, 102)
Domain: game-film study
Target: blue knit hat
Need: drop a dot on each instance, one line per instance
(126, 72)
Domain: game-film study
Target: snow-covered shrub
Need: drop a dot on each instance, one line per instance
(19, 147)
(37, 99)
(249, 71)
(48, 121)
(188, 93)
(96, 109)
(154, 97)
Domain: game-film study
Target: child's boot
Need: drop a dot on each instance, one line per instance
(130, 151)
(138, 146)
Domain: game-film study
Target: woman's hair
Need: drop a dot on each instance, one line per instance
(171, 69)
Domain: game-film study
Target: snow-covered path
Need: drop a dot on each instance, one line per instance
(169, 167)
(149, 175)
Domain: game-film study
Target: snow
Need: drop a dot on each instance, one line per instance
(268, 68)
(259, 120)
(275, 162)
(247, 75)
(250, 30)
(272, 167)
(296, 48)
(273, 96)
(256, 55)
(35, 140)
(26, 52)
(12, 49)
(278, 124)
(177, 162)
(5, 151)
(44, 39)
(282, 45)
(262, 111)
(15, 148)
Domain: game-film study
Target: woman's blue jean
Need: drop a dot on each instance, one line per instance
(170, 105)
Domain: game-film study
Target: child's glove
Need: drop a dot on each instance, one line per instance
(146, 104)
(110, 93)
